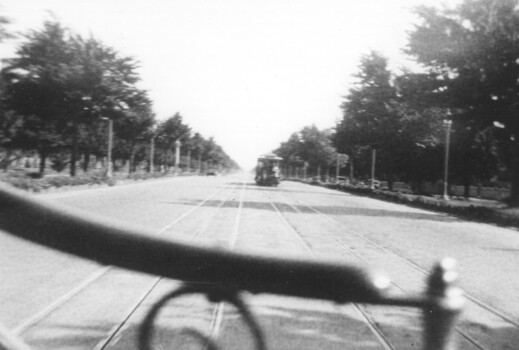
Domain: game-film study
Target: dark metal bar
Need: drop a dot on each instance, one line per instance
(214, 294)
(118, 244)
(148, 324)
(128, 247)
(444, 308)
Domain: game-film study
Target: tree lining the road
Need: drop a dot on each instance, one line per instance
(380, 113)
(469, 56)
(474, 59)
(309, 149)
(60, 91)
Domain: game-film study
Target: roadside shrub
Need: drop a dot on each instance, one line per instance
(59, 162)
(463, 209)
(57, 181)
(27, 181)
(467, 210)
(24, 184)
(145, 176)
(34, 175)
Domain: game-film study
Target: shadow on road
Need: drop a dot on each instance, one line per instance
(287, 323)
(324, 209)
(253, 186)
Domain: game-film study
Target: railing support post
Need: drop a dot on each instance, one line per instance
(443, 308)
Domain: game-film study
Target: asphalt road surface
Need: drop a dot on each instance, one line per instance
(56, 301)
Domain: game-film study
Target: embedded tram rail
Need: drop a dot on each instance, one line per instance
(109, 272)
(471, 338)
(190, 261)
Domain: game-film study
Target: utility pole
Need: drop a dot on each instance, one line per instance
(110, 146)
(448, 124)
(337, 169)
(189, 160)
(177, 156)
(152, 153)
(373, 161)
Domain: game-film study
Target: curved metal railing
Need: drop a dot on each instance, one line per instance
(226, 273)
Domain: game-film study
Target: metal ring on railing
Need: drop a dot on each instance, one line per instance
(215, 294)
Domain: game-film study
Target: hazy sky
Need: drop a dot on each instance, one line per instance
(248, 73)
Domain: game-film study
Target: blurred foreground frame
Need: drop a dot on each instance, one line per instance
(221, 275)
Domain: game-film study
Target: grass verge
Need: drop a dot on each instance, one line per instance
(495, 213)
(29, 182)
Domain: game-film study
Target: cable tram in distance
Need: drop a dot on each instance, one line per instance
(267, 170)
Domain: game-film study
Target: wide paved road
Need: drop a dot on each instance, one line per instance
(55, 301)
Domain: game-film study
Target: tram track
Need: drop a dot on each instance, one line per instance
(359, 309)
(416, 267)
(217, 317)
(463, 333)
(97, 274)
(33, 321)
(120, 328)
(372, 325)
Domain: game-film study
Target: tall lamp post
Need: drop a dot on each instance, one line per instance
(110, 146)
(189, 161)
(177, 156)
(448, 124)
(337, 168)
(199, 161)
(373, 162)
(152, 153)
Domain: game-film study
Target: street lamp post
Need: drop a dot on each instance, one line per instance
(189, 161)
(342, 160)
(177, 156)
(110, 146)
(448, 124)
(337, 169)
(373, 162)
(152, 153)
(120, 106)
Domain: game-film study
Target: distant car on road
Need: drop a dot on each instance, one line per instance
(210, 173)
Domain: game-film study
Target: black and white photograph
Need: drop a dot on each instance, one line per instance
(259, 174)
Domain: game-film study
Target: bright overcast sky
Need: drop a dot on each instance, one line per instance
(248, 73)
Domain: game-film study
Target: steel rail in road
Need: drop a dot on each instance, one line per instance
(377, 332)
(119, 328)
(100, 272)
(219, 309)
(61, 228)
(386, 343)
(413, 265)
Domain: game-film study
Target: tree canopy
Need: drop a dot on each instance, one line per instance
(310, 147)
(469, 58)
(471, 52)
(60, 90)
